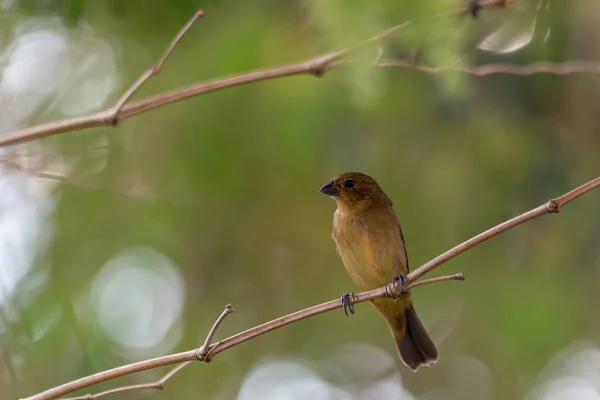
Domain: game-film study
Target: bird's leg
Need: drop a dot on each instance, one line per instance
(401, 279)
(474, 7)
(347, 304)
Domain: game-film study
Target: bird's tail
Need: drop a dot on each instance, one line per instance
(415, 346)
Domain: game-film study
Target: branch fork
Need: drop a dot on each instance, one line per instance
(205, 352)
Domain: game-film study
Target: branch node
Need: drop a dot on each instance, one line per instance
(552, 206)
(201, 353)
(319, 65)
(204, 352)
(317, 71)
(112, 119)
(209, 354)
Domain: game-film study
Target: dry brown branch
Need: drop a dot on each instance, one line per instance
(392, 290)
(160, 384)
(114, 112)
(122, 110)
(455, 277)
(556, 68)
(110, 116)
(206, 352)
(552, 206)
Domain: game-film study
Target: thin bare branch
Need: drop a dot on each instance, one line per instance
(201, 355)
(555, 68)
(318, 65)
(199, 14)
(391, 290)
(552, 206)
(110, 116)
(122, 110)
(555, 205)
(455, 277)
(114, 112)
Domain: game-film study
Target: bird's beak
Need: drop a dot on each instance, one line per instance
(329, 189)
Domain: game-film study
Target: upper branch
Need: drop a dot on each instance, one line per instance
(122, 110)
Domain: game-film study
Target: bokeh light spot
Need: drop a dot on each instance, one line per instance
(138, 297)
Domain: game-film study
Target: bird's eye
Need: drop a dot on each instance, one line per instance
(349, 184)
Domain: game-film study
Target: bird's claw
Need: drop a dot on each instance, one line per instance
(401, 279)
(347, 304)
(474, 7)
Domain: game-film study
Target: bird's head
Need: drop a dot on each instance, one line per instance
(354, 189)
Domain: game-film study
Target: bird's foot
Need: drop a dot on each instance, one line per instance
(474, 7)
(348, 302)
(400, 279)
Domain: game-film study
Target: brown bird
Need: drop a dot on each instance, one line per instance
(370, 241)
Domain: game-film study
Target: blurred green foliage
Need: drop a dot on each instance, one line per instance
(230, 184)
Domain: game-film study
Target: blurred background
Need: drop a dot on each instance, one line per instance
(121, 244)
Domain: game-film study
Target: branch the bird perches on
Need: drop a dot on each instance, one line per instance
(207, 351)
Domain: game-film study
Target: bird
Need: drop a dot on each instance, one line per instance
(370, 241)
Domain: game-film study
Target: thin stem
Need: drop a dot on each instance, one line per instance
(203, 351)
(455, 277)
(563, 68)
(573, 194)
(199, 14)
(122, 110)
(200, 354)
(154, 70)
(551, 206)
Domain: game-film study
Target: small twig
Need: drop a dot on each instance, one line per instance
(202, 354)
(114, 112)
(318, 65)
(199, 14)
(555, 68)
(455, 277)
(110, 116)
(122, 110)
(555, 205)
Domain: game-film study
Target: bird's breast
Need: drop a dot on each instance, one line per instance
(371, 248)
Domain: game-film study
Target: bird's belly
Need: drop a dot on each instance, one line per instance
(372, 249)
(368, 272)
